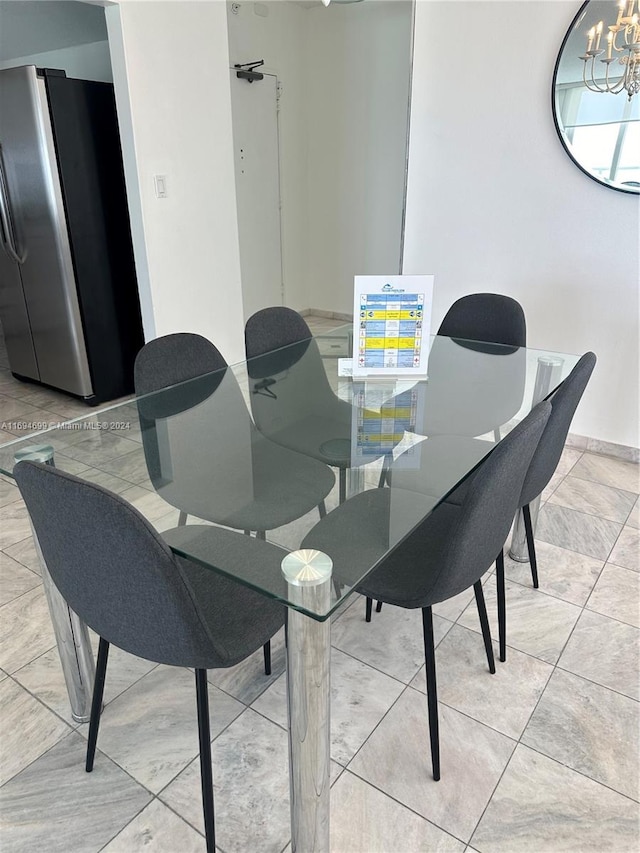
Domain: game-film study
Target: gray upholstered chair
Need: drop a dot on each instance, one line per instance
(302, 413)
(122, 579)
(564, 402)
(233, 475)
(488, 317)
(447, 553)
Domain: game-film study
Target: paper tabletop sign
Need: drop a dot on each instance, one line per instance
(392, 323)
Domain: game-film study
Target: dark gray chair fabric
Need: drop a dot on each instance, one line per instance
(441, 456)
(298, 409)
(123, 580)
(488, 317)
(232, 475)
(447, 553)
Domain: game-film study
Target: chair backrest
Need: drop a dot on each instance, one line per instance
(113, 569)
(488, 509)
(297, 369)
(564, 402)
(489, 317)
(178, 450)
(271, 328)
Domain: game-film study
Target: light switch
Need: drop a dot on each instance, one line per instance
(160, 183)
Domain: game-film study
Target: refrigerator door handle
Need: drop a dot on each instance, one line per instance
(8, 234)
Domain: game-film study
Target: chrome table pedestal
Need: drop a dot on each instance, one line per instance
(308, 574)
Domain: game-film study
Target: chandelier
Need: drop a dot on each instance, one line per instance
(624, 38)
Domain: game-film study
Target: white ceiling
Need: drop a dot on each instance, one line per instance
(28, 27)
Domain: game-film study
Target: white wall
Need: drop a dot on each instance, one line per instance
(170, 66)
(279, 39)
(343, 119)
(84, 61)
(358, 66)
(495, 204)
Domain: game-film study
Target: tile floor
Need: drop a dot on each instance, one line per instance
(543, 756)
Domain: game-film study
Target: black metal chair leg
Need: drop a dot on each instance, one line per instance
(206, 773)
(528, 529)
(322, 509)
(378, 606)
(261, 534)
(484, 624)
(502, 606)
(367, 611)
(267, 657)
(182, 518)
(432, 692)
(96, 702)
(342, 485)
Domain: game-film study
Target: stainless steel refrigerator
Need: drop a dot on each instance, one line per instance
(69, 303)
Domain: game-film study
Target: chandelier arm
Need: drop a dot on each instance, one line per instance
(594, 87)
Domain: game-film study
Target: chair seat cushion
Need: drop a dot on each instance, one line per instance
(359, 533)
(241, 619)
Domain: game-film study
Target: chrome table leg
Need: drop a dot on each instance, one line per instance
(308, 574)
(548, 376)
(72, 635)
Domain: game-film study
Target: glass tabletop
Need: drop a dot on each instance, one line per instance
(268, 445)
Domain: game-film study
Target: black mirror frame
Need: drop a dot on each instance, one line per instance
(578, 15)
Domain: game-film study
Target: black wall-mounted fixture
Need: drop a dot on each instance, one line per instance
(247, 72)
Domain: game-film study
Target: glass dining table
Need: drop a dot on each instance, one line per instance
(202, 448)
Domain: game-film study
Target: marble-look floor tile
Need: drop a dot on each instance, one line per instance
(503, 701)
(247, 680)
(609, 472)
(14, 524)
(617, 594)
(15, 579)
(570, 456)
(25, 552)
(43, 677)
(634, 516)
(106, 480)
(605, 651)
(541, 805)
(251, 778)
(25, 630)
(17, 416)
(364, 820)
(151, 729)
(9, 493)
(452, 608)
(594, 499)
(150, 504)
(100, 449)
(551, 486)
(626, 551)
(156, 830)
(360, 697)
(392, 642)
(130, 466)
(537, 624)
(577, 531)
(54, 805)
(396, 759)
(590, 729)
(28, 729)
(562, 573)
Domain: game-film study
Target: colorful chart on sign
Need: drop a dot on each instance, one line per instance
(390, 330)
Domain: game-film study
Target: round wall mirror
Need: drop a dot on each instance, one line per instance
(596, 105)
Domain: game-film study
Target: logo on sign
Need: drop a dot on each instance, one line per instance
(388, 288)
